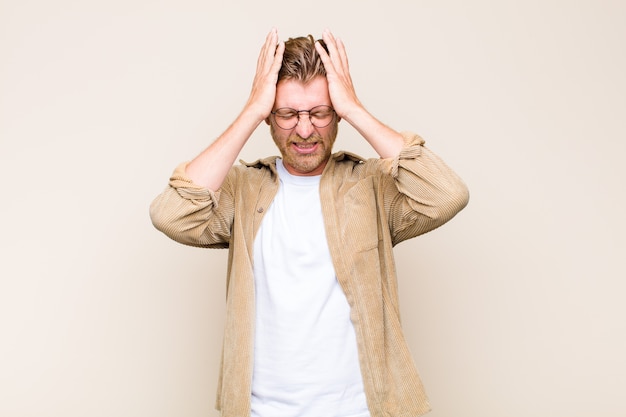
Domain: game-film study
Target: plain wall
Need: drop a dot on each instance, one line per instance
(513, 309)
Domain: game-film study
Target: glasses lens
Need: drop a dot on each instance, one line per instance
(286, 118)
(319, 116)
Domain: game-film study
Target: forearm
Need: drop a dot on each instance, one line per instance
(210, 167)
(386, 142)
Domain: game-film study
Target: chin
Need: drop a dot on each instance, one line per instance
(304, 167)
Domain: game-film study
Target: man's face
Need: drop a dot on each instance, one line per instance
(305, 149)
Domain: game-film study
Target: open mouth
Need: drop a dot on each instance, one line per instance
(305, 147)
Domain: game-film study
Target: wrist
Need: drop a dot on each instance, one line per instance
(253, 114)
(355, 115)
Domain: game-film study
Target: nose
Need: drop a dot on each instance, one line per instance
(304, 128)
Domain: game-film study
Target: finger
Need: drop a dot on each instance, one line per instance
(270, 39)
(343, 56)
(278, 58)
(262, 54)
(323, 54)
(328, 36)
(329, 39)
(268, 50)
(333, 49)
(328, 51)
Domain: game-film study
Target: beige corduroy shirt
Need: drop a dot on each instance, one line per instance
(368, 207)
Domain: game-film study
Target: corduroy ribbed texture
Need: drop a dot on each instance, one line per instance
(368, 207)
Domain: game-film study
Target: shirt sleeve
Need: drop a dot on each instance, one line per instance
(421, 191)
(192, 214)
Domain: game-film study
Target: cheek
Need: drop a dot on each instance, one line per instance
(278, 136)
(330, 133)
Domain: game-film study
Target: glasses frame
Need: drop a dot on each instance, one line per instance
(299, 112)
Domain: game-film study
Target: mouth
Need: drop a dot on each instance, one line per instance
(305, 147)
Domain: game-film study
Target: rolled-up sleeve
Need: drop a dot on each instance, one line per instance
(423, 192)
(191, 214)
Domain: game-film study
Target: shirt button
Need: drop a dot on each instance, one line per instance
(260, 210)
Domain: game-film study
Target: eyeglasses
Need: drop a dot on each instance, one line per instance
(288, 118)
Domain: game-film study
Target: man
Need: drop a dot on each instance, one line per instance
(312, 324)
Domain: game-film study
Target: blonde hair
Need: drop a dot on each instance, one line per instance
(301, 61)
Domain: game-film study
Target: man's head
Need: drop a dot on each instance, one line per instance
(302, 86)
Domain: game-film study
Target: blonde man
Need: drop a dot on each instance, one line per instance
(312, 326)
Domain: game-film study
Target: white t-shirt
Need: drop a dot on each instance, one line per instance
(305, 358)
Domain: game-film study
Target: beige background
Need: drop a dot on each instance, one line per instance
(514, 309)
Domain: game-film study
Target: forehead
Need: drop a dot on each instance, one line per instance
(300, 96)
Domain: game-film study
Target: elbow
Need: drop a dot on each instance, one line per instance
(447, 204)
(462, 198)
(159, 219)
(165, 218)
(453, 202)
(171, 227)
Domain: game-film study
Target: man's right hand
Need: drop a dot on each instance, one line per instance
(263, 92)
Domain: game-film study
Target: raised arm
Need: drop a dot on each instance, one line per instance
(210, 167)
(386, 142)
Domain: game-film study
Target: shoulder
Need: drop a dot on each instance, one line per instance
(347, 163)
(347, 157)
(258, 167)
(257, 172)
(267, 162)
